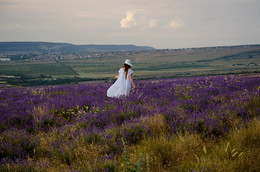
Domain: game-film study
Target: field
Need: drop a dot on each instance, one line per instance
(51, 69)
(206, 123)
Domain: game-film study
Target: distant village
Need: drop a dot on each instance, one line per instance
(61, 56)
(34, 57)
(7, 57)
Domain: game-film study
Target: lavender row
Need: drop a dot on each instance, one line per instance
(196, 97)
(207, 105)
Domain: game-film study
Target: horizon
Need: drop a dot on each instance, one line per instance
(234, 45)
(162, 25)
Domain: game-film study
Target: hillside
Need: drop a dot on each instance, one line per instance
(208, 123)
(60, 68)
(48, 47)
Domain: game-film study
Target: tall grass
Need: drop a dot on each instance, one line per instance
(190, 124)
(237, 151)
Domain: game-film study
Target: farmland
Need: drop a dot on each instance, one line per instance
(206, 123)
(57, 68)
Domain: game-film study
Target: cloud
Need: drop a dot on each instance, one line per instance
(175, 24)
(83, 14)
(128, 21)
(2, 2)
(152, 23)
(17, 26)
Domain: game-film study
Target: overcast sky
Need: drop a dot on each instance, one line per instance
(157, 23)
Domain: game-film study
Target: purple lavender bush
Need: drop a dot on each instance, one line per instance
(61, 122)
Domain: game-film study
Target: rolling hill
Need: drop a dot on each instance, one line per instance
(49, 47)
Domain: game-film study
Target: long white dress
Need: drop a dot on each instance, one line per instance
(122, 86)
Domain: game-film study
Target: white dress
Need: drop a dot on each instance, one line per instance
(122, 86)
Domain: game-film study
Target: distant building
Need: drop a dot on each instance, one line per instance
(5, 59)
(252, 64)
(236, 65)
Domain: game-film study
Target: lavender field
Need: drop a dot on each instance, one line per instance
(208, 123)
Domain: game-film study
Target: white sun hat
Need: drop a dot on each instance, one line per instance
(128, 61)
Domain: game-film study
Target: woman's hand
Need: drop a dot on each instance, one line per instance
(116, 77)
(131, 79)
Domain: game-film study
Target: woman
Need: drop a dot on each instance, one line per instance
(122, 86)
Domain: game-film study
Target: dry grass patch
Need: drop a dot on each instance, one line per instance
(156, 124)
(168, 154)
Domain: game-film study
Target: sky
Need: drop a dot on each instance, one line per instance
(158, 23)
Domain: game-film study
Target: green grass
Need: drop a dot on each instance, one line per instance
(52, 69)
(150, 64)
(162, 64)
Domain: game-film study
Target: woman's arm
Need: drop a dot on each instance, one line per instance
(132, 81)
(117, 76)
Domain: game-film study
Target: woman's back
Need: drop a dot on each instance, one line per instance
(122, 74)
(122, 86)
